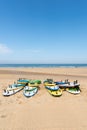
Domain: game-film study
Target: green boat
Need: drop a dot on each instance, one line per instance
(73, 90)
(35, 81)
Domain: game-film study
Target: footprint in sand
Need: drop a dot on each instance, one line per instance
(3, 116)
(18, 96)
(20, 102)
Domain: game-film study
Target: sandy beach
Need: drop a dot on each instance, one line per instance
(42, 111)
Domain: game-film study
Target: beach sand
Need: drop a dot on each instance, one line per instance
(42, 111)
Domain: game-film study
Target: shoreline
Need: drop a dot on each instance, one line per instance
(45, 67)
(60, 65)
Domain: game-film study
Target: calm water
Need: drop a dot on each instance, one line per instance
(43, 65)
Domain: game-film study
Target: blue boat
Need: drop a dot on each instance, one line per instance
(60, 82)
(23, 81)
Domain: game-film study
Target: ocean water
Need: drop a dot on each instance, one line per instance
(43, 65)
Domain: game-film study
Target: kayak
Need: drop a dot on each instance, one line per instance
(23, 81)
(30, 91)
(35, 81)
(12, 89)
(55, 87)
(56, 93)
(66, 83)
(69, 84)
(33, 84)
(49, 82)
(60, 82)
(75, 90)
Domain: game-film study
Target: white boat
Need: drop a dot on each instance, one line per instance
(30, 91)
(12, 89)
(69, 84)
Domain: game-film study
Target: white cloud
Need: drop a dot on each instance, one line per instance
(4, 49)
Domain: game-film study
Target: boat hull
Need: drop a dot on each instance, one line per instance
(30, 91)
(13, 89)
(56, 93)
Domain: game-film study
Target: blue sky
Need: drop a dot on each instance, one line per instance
(43, 31)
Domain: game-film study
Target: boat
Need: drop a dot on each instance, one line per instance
(33, 84)
(60, 82)
(35, 81)
(69, 85)
(64, 84)
(54, 87)
(12, 89)
(30, 91)
(23, 81)
(75, 90)
(49, 82)
(56, 93)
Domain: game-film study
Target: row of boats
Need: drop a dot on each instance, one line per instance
(31, 87)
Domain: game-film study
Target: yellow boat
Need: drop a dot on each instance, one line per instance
(56, 93)
(48, 84)
(33, 85)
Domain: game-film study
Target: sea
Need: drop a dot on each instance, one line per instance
(43, 65)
